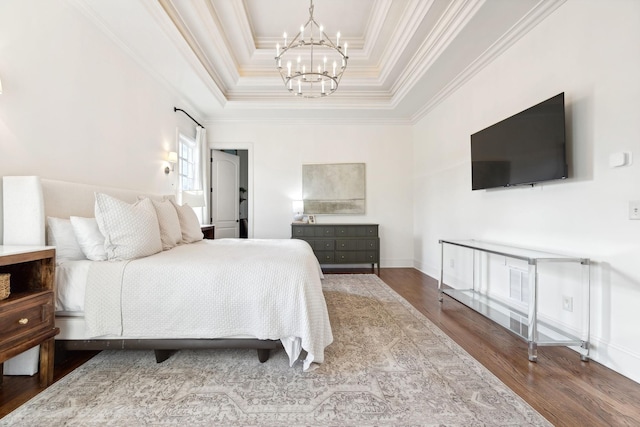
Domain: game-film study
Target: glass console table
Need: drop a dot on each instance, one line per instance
(524, 323)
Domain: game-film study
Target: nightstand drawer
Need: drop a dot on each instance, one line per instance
(25, 316)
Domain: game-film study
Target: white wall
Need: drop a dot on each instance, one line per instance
(589, 50)
(280, 150)
(75, 107)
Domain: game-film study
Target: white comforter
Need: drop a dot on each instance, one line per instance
(268, 289)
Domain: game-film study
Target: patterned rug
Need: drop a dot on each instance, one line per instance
(388, 365)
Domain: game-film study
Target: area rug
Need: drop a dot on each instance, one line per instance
(388, 366)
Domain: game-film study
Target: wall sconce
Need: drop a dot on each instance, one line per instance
(172, 158)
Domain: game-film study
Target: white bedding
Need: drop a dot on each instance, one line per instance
(268, 289)
(71, 281)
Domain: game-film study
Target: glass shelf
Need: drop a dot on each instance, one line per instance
(532, 256)
(511, 318)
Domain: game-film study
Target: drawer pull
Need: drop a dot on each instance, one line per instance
(23, 321)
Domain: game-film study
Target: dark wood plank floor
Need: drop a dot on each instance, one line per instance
(563, 389)
(566, 391)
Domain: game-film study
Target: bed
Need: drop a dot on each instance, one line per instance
(248, 293)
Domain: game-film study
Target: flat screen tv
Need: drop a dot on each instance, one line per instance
(526, 148)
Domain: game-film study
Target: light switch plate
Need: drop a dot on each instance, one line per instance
(634, 209)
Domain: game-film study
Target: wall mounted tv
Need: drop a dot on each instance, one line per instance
(526, 148)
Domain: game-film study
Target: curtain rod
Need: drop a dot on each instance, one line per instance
(188, 115)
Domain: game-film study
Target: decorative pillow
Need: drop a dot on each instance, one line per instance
(130, 230)
(189, 224)
(60, 234)
(89, 237)
(170, 232)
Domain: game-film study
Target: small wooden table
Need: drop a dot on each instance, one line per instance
(27, 316)
(209, 231)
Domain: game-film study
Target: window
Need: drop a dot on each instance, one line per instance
(188, 170)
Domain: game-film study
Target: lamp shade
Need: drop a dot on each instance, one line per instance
(193, 198)
(172, 157)
(298, 206)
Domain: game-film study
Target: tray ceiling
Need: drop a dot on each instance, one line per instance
(405, 56)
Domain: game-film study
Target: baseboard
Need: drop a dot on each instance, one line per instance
(615, 358)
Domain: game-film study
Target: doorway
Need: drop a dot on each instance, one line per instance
(230, 195)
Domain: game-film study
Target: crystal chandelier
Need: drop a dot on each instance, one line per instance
(313, 66)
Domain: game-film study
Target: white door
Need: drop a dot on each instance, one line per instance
(225, 194)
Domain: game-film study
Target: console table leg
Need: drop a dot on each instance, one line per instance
(585, 356)
(533, 352)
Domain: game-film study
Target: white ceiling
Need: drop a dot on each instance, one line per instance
(405, 56)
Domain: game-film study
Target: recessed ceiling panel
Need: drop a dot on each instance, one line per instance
(404, 55)
(270, 18)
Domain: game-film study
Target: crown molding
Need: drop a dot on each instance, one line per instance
(228, 76)
(374, 27)
(91, 11)
(536, 15)
(285, 119)
(448, 27)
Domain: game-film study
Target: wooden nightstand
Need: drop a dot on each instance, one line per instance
(27, 316)
(209, 231)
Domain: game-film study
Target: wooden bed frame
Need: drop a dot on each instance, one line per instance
(165, 348)
(62, 199)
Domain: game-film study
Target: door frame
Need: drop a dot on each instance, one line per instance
(240, 146)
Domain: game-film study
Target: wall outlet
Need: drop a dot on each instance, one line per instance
(567, 303)
(634, 209)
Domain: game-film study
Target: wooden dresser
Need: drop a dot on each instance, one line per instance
(27, 315)
(341, 243)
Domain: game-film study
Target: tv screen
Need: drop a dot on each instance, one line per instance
(526, 148)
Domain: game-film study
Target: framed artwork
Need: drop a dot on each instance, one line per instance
(312, 219)
(337, 188)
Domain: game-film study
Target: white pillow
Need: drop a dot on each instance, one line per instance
(89, 237)
(130, 230)
(189, 224)
(170, 232)
(60, 234)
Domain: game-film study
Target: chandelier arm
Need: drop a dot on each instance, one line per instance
(316, 82)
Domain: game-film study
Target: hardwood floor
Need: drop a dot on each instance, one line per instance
(563, 389)
(16, 390)
(566, 391)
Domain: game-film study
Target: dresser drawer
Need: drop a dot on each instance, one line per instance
(25, 316)
(302, 231)
(325, 257)
(325, 231)
(356, 257)
(323, 244)
(356, 231)
(356, 244)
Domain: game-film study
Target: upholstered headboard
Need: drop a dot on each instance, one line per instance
(27, 201)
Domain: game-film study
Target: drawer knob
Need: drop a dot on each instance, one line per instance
(23, 321)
